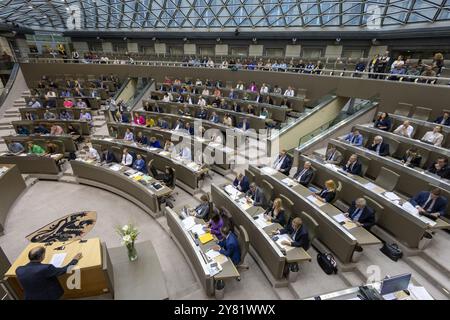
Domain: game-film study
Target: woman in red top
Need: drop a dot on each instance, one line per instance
(139, 119)
(68, 103)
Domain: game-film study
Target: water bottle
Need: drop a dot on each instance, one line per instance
(196, 239)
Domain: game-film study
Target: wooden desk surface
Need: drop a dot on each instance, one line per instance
(91, 250)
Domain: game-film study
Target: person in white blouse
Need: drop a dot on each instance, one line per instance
(185, 153)
(166, 98)
(240, 86)
(128, 135)
(264, 89)
(404, 129)
(434, 137)
(201, 102)
(289, 92)
(127, 159)
(198, 82)
(50, 94)
(205, 92)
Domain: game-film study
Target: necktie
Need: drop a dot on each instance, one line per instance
(355, 213)
(429, 205)
(353, 139)
(300, 175)
(331, 156)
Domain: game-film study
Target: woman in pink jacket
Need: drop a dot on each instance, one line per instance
(139, 119)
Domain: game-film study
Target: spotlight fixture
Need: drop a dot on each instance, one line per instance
(124, 38)
(218, 39)
(236, 32)
(185, 39)
(374, 40)
(154, 38)
(294, 40)
(338, 39)
(254, 40)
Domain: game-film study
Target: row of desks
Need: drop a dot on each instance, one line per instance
(81, 127)
(136, 187)
(274, 258)
(38, 113)
(92, 103)
(11, 186)
(196, 254)
(68, 141)
(45, 166)
(341, 241)
(406, 227)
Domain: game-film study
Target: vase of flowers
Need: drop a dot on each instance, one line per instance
(128, 233)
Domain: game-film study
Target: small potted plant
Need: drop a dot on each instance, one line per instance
(128, 233)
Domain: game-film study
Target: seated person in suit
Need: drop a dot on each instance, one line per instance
(333, 155)
(229, 246)
(256, 195)
(283, 162)
(214, 117)
(49, 115)
(168, 177)
(56, 130)
(440, 167)
(405, 129)
(202, 114)
(244, 125)
(129, 136)
(189, 128)
(214, 225)
(241, 183)
(40, 281)
(275, 213)
(65, 115)
(23, 130)
(41, 129)
(304, 175)
(298, 233)
(328, 193)
(355, 138)
(236, 107)
(127, 159)
(361, 214)
(227, 120)
(412, 158)
(140, 138)
(383, 122)
(430, 203)
(353, 165)
(178, 125)
(163, 124)
(444, 119)
(139, 164)
(379, 146)
(16, 147)
(202, 210)
(434, 137)
(154, 143)
(35, 148)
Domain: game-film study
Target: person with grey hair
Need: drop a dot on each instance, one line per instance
(380, 147)
(304, 175)
(256, 194)
(361, 214)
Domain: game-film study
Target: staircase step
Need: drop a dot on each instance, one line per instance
(12, 111)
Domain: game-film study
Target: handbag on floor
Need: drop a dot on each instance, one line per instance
(392, 251)
(327, 262)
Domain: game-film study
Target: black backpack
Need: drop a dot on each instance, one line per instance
(327, 262)
(392, 251)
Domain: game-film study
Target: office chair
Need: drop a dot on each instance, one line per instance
(403, 109)
(311, 224)
(377, 208)
(387, 179)
(244, 244)
(421, 113)
(288, 206)
(227, 217)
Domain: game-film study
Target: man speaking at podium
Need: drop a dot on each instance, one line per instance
(40, 281)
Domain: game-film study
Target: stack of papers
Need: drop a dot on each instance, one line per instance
(116, 167)
(346, 222)
(374, 187)
(391, 196)
(58, 259)
(194, 166)
(261, 221)
(408, 207)
(281, 238)
(419, 293)
(232, 191)
(198, 229)
(130, 172)
(244, 204)
(289, 182)
(188, 223)
(340, 218)
(316, 201)
(269, 171)
(332, 166)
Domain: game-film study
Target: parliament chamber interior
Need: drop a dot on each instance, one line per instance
(224, 149)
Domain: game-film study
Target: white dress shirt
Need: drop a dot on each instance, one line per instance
(289, 93)
(186, 154)
(202, 102)
(278, 163)
(128, 136)
(264, 89)
(400, 128)
(93, 154)
(127, 159)
(433, 137)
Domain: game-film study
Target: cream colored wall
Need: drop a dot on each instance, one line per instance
(221, 49)
(190, 48)
(128, 92)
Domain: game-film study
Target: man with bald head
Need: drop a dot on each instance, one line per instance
(39, 280)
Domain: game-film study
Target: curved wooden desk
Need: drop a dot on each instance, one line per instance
(11, 186)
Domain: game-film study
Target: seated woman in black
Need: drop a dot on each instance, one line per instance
(412, 158)
(168, 177)
(328, 193)
(383, 122)
(275, 213)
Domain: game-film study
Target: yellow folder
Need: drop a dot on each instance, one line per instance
(205, 238)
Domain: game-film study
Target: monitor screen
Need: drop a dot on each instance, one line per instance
(395, 284)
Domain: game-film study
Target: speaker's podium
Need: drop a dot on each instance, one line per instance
(92, 276)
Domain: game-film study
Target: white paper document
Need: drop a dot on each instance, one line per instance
(419, 293)
(315, 200)
(288, 181)
(332, 166)
(116, 167)
(232, 191)
(212, 254)
(340, 218)
(281, 238)
(261, 221)
(407, 206)
(391, 196)
(373, 187)
(268, 171)
(58, 259)
(198, 229)
(188, 223)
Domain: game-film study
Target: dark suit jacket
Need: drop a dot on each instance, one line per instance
(384, 149)
(383, 123)
(286, 165)
(202, 211)
(242, 185)
(367, 218)
(306, 177)
(300, 238)
(443, 172)
(230, 248)
(421, 198)
(327, 195)
(40, 281)
(257, 197)
(280, 219)
(356, 168)
(415, 162)
(439, 120)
